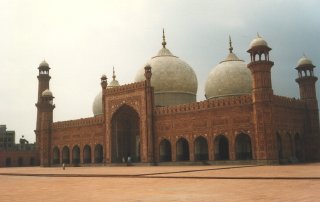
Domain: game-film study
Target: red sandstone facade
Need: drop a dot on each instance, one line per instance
(261, 127)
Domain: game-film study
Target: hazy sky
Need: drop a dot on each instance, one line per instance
(81, 40)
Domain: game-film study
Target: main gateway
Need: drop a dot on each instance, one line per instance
(157, 118)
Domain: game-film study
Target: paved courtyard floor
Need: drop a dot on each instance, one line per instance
(162, 183)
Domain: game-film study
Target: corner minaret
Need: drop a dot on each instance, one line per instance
(307, 85)
(43, 84)
(307, 81)
(45, 108)
(262, 94)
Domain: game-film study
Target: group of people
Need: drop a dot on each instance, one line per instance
(123, 161)
(128, 160)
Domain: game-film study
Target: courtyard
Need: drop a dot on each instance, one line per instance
(299, 182)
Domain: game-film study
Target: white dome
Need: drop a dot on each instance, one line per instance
(258, 41)
(304, 61)
(230, 77)
(97, 104)
(47, 93)
(174, 81)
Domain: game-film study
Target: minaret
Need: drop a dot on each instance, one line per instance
(307, 85)
(262, 94)
(43, 84)
(45, 107)
(307, 81)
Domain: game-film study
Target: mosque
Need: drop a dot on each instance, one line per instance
(158, 120)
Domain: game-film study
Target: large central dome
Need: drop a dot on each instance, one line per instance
(174, 81)
(230, 77)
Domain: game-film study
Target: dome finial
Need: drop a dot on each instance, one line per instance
(164, 43)
(258, 35)
(113, 73)
(230, 44)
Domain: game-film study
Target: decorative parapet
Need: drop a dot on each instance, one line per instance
(78, 122)
(205, 105)
(126, 87)
(288, 102)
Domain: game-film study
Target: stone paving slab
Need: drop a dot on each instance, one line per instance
(91, 189)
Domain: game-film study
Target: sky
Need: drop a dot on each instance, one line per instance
(83, 39)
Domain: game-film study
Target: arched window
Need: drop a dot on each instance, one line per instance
(87, 154)
(182, 150)
(165, 150)
(221, 146)
(98, 153)
(76, 155)
(201, 149)
(56, 155)
(65, 155)
(243, 147)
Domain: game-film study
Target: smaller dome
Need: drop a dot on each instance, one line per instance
(230, 77)
(258, 41)
(304, 61)
(47, 93)
(97, 104)
(44, 64)
(114, 82)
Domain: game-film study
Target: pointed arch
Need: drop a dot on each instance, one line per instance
(298, 147)
(182, 148)
(125, 134)
(20, 161)
(221, 145)
(243, 147)
(86, 154)
(32, 161)
(165, 150)
(290, 147)
(56, 155)
(66, 155)
(279, 146)
(76, 155)
(98, 153)
(8, 162)
(201, 149)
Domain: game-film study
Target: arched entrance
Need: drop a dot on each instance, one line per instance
(279, 145)
(182, 150)
(76, 155)
(243, 147)
(165, 150)
(221, 145)
(125, 135)
(65, 155)
(298, 147)
(87, 154)
(98, 153)
(56, 155)
(201, 149)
